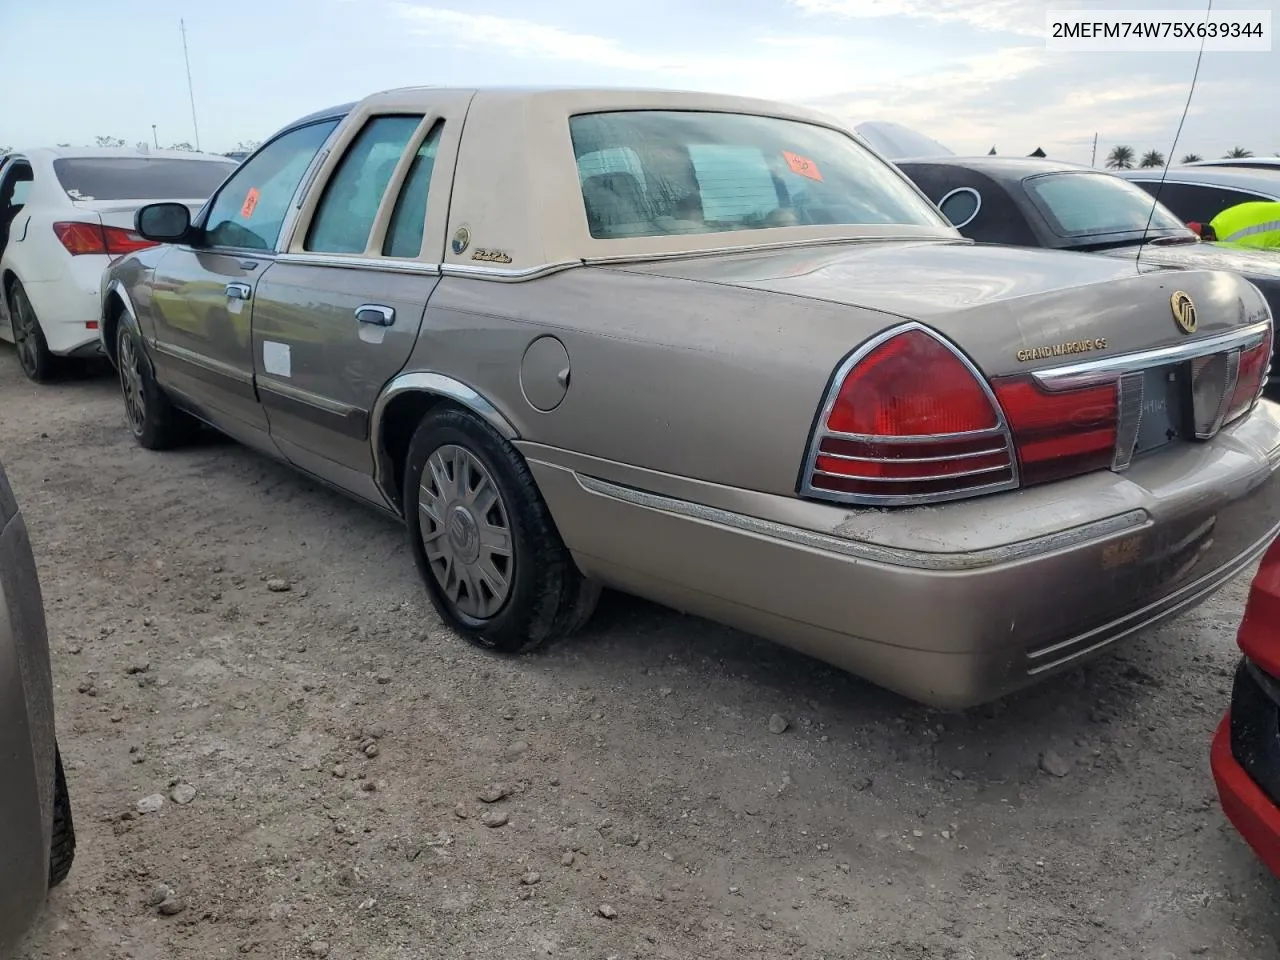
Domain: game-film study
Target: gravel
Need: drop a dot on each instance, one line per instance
(259, 695)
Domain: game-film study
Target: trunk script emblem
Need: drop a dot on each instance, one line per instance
(1184, 311)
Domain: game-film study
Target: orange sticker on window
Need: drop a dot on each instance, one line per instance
(802, 165)
(250, 203)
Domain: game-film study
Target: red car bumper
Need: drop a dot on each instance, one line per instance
(1246, 748)
(1250, 810)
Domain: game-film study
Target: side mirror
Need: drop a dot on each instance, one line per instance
(163, 222)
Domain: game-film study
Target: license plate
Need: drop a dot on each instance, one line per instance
(1161, 409)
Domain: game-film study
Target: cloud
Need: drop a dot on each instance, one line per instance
(1026, 17)
(773, 65)
(1011, 91)
(523, 38)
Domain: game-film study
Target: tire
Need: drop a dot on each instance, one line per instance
(39, 365)
(62, 851)
(156, 423)
(546, 597)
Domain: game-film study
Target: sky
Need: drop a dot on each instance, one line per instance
(971, 73)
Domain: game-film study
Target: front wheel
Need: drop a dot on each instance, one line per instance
(493, 562)
(39, 365)
(155, 422)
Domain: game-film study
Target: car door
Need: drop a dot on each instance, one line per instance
(339, 313)
(15, 184)
(202, 293)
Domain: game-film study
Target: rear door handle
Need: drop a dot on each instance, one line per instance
(376, 314)
(239, 291)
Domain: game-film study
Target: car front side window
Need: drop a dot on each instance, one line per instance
(346, 213)
(251, 206)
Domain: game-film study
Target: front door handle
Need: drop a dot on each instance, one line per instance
(376, 314)
(239, 291)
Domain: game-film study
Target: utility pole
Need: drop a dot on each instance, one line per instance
(1093, 161)
(190, 89)
(155, 136)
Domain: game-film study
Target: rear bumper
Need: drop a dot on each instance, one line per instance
(951, 605)
(70, 307)
(1248, 734)
(27, 743)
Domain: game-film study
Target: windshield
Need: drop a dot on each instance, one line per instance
(140, 178)
(648, 173)
(1096, 204)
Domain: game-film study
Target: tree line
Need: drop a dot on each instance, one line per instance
(244, 146)
(1122, 157)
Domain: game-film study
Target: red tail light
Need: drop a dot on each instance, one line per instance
(910, 421)
(1061, 433)
(81, 238)
(93, 238)
(1254, 363)
(121, 241)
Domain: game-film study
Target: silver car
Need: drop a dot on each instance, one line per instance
(39, 841)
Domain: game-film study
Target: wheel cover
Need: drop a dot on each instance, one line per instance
(465, 531)
(131, 383)
(24, 333)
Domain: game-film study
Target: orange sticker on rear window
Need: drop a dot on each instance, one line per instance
(250, 203)
(802, 165)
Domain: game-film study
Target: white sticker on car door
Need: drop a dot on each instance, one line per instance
(276, 359)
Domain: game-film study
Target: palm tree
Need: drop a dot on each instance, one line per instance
(1192, 158)
(1237, 153)
(1152, 158)
(1120, 158)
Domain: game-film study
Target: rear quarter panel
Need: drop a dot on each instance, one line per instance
(698, 380)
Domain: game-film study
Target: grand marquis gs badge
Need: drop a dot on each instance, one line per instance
(1184, 311)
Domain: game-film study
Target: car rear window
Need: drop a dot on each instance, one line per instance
(647, 173)
(140, 178)
(1096, 204)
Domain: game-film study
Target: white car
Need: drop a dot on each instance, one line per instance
(65, 214)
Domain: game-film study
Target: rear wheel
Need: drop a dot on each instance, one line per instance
(493, 562)
(156, 423)
(34, 357)
(62, 851)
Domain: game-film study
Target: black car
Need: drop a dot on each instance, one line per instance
(1022, 201)
(1201, 192)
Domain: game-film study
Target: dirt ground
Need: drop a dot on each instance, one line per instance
(651, 811)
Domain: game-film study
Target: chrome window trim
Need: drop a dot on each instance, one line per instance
(819, 432)
(505, 275)
(358, 262)
(976, 210)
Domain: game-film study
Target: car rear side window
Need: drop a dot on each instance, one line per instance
(960, 206)
(1192, 201)
(408, 219)
(649, 173)
(140, 178)
(250, 208)
(344, 218)
(1096, 204)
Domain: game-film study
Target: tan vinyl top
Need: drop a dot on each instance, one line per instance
(516, 190)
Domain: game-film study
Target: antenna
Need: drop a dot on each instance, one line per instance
(1155, 200)
(1093, 159)
(191, 90)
